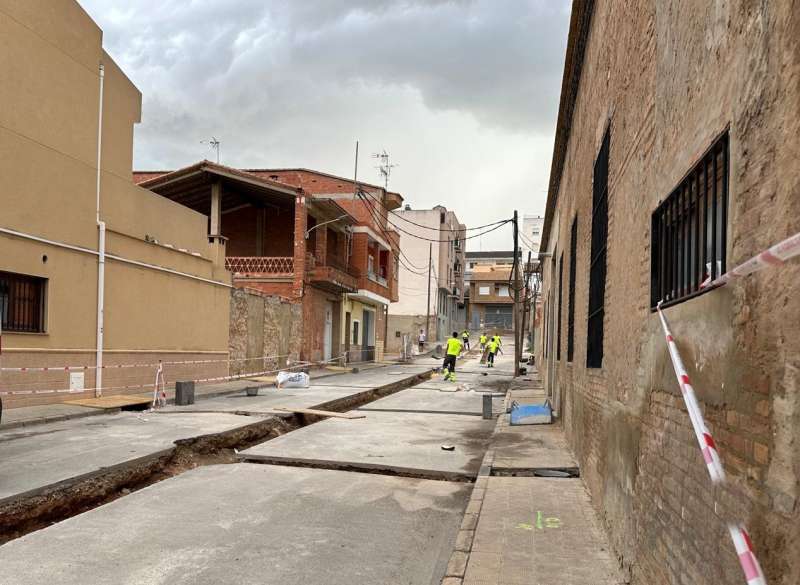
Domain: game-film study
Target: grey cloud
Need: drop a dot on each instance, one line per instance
(498, 61)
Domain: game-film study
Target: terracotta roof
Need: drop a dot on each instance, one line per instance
(300, 181)
(158, 177)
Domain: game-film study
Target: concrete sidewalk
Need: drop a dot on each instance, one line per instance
(522, 529)
(34, 415)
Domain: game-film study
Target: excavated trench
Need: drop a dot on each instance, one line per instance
(41, 508)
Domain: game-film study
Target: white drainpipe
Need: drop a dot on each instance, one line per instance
(101, 251)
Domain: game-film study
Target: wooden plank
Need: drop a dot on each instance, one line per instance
(116, 401)
(320, 412)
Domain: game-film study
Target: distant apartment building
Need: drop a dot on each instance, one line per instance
(165, 288)
(530, 237)
(436, 234)
(490, 300)
(304, 236)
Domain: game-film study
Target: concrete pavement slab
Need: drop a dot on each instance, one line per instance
(532, 446)
(268, 398)
(416, 400)
(36, 457)
(538, 530)
(251, 524)
(401, 442)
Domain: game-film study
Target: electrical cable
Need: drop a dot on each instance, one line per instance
(400, 216)
(413, 235)
(378, 220)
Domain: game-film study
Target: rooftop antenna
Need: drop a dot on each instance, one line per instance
(214, 143)
(384, 168)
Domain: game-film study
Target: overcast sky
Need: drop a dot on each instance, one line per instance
(462, 94)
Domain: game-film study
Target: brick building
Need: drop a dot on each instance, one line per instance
(677, 155)
(301, 235)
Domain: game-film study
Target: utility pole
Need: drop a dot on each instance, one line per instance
(428, 310)
(517, 327)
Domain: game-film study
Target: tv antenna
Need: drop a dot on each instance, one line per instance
(384, 168)
(214, 143)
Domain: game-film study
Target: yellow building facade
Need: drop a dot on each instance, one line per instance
(166, 291)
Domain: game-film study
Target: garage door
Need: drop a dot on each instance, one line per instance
(500, 316)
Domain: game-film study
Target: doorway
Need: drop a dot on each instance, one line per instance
(327, 343)
(368, 335)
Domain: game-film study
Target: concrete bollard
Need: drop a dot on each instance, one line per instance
(184, 393)
(487, 406)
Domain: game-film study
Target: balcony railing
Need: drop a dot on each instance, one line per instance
(260, 264)
(379, 279)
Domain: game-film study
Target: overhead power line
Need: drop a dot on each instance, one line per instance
(400, 216)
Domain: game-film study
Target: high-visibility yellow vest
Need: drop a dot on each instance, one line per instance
(493, 345)
(483, 339)
(453, 346)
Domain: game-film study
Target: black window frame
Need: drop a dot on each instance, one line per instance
(573, 269)
(689, 230)
(23, 303)
(597, 260)
(560, 305)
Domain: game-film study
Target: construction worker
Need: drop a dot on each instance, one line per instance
(465, 339)
(499, 343)
(453, 351)
(483, 339)
(494, 345)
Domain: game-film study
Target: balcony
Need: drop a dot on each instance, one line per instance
(332, 276)
(260, 266)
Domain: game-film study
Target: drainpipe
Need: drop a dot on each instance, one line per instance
(101, 250)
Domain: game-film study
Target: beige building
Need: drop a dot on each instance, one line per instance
(166, 290)
(677, 157)
(437, 235)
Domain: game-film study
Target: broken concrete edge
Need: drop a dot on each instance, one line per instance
(92, 411)
(382, 469)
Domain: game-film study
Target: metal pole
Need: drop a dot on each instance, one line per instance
(517, 348)
(428, 309)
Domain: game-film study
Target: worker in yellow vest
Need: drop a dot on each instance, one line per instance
(483, 339)
(499, 344)
(494, 345)
(453, 351)
(465, 339)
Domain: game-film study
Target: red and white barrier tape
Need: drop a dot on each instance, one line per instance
(741, 540)
(747, 558)
(774, 256)
(150, 365)
(704, 438)
(148, 385)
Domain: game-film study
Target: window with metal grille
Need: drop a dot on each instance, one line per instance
(560, 298)
(689, 230)
(22, 302)
(573, 251)
(597, 260)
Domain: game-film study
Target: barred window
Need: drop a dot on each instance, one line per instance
(689, 230)
(560, 298)
(22, 302)
(597, 261)
(573, 251)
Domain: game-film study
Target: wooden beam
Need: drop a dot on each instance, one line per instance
(348, 415)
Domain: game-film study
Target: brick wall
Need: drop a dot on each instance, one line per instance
(668, 77)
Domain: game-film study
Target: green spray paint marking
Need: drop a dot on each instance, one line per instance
(541, 523)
